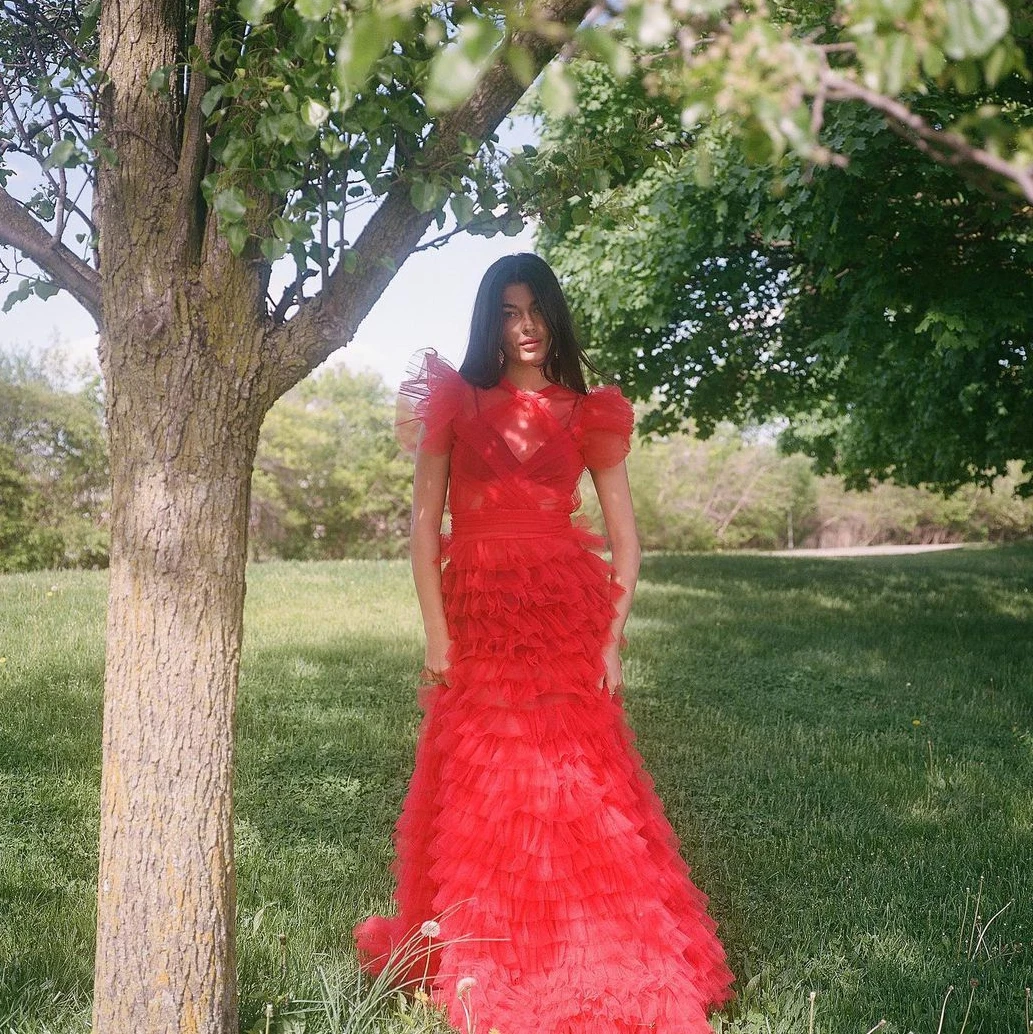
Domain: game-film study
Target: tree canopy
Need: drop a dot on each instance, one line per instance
(884, 305)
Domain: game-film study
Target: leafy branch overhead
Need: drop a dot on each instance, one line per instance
(296, 120)
(300, 115)
(882, 305)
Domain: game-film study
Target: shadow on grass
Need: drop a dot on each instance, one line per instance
(842, 745)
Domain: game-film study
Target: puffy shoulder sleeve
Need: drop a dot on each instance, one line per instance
(430, 397)
(606, 423)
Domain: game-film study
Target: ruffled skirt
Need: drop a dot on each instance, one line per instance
(532, 849)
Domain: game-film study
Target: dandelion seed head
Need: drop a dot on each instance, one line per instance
(465, 985)
(430, 928)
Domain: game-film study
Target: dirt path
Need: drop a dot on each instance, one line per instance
(861, 550)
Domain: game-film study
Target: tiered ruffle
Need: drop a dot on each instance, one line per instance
(531, 830)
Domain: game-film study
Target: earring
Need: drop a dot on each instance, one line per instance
(502, 357)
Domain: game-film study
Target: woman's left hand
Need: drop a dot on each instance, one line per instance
(613, 677)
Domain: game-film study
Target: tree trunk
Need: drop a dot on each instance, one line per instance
(182, 446)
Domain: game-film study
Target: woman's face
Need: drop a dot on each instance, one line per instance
(525, 335)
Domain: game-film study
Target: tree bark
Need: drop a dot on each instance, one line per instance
(182, 356)
(182, 447)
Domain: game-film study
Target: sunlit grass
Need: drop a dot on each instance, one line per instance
(844, 746)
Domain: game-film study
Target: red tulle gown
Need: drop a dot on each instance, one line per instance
(531, 833)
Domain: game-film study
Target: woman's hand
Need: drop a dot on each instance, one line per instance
(435, 661)
(613, 677)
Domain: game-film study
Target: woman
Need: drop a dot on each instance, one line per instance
(540, 889)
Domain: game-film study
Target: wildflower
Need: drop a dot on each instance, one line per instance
(916, 721)
(3, 660)
(465, 985)
(430, 929)
(421, 996)
(494, 1030)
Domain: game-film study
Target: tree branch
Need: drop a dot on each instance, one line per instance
(942, 146)
(21, 231)
(329, 320)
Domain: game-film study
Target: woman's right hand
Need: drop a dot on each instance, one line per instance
(435, 661)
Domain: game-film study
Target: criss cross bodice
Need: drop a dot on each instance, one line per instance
(511, 450)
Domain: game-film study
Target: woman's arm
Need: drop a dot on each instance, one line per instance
(611, 485)
(430, 482)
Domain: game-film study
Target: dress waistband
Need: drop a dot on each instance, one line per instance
(509, 524)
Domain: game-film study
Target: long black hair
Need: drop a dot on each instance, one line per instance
(565, 360)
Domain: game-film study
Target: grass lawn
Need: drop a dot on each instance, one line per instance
(845, 747)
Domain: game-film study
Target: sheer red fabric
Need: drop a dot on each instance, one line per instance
(531, 833)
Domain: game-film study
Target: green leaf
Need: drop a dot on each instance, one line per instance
(521, 64)
(602, 43)
(273, 249)
(332, 145)
(900, 63)
(973, 26)
(236, 236)
(230, 204)
(19, 294)
(426, 195)
(313, 10)
(933, 61)
(998, 64)
(254, 11)
(210, 101)
(360, 48)
(46, 289)
(89, 16)
(63, 155)
(314, 113)
(158, 80)
(558, 91)
(462, 208)
(459, 67)
(513, 225)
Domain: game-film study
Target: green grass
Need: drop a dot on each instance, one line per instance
(845, 747)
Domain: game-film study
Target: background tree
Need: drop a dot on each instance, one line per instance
(329, 481)
(736, 489)
(52, 449)
(884, 306)
(25, 544)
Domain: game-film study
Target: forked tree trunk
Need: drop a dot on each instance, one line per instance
(182, 446)
(191, 364)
